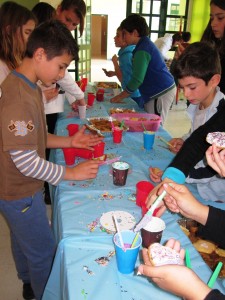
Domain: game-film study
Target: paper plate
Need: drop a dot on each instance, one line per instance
(125, 220)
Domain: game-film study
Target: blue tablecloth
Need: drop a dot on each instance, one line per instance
(77, 208)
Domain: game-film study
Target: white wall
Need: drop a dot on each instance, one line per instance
(116, 11)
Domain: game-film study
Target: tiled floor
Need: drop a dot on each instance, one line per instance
(10, 287)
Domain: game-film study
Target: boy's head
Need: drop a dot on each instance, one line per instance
(54, 38)
(199, 60)
(198, 70)
(72, 13)
(135, 22)
(51, 47)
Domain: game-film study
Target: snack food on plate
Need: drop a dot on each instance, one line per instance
(107, 85)
(160, 255)
(104, 125)
(120, 110)
(204, 246)
(217, 138)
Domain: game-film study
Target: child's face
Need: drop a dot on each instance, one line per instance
(196, 91)
(68, 17)
(119, 41)
(50, 71)
(217, 17)
(129, 37)
(26, 31)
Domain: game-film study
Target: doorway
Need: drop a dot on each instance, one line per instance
(99, 41)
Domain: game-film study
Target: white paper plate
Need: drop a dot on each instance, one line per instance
(125, 220)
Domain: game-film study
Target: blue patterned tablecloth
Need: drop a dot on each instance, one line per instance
(78, 206)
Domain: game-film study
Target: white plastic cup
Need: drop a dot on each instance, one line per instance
(82, 111)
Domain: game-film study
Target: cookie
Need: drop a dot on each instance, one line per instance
(161, 255)
(217, 138)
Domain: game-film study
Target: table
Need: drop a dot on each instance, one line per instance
(77, 208)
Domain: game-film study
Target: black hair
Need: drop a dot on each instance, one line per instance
(44, 12)
(54, 38)
(200, 60)
(219, 3)
(79, 8)
(176, 37)
(186, 36)
(135, 22)
(208, 34)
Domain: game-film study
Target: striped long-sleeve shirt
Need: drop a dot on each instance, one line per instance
(30, 164)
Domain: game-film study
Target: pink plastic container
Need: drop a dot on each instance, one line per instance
(134, 121)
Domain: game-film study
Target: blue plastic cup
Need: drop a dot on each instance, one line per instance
(149, 137)
(126, 259)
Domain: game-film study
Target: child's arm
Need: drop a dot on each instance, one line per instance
(174, 278)
(31, 165)
(79, 140)
(117, 67)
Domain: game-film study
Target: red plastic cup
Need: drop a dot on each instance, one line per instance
(99, 149)
(117, 135)
(72, 128)
(90, 99)
(100, 95)
(143, 188)
(69, 156)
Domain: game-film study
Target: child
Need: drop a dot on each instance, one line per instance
(150, 74)
(123, 69)
(23, 139)
(71, 13)
(198, 71)
(180, 200)
(16, 24)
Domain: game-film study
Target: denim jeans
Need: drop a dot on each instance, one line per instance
(32, 241)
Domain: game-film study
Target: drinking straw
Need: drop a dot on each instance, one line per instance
(121, 125)
(144, 127)
(110, 120)
(119, 233)
(215, 275)
(135, 240)
(187, 259)
(148, 216)
(163, 140)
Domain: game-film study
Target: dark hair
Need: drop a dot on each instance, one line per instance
(135, 22)
(186, 36)
(54, 38)
(12, 46)
(199, 60)
(176, 37)
(208, 34)
(79, 8)
(43, 12)
(219, 3)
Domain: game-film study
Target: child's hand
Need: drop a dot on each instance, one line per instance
(176, 144)
(51, 94)
(115, 58)
(216, 159)
(116, 99)
(174, 278)
(109, 73)
(86, 141)
(83, 171)
(155, 174)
